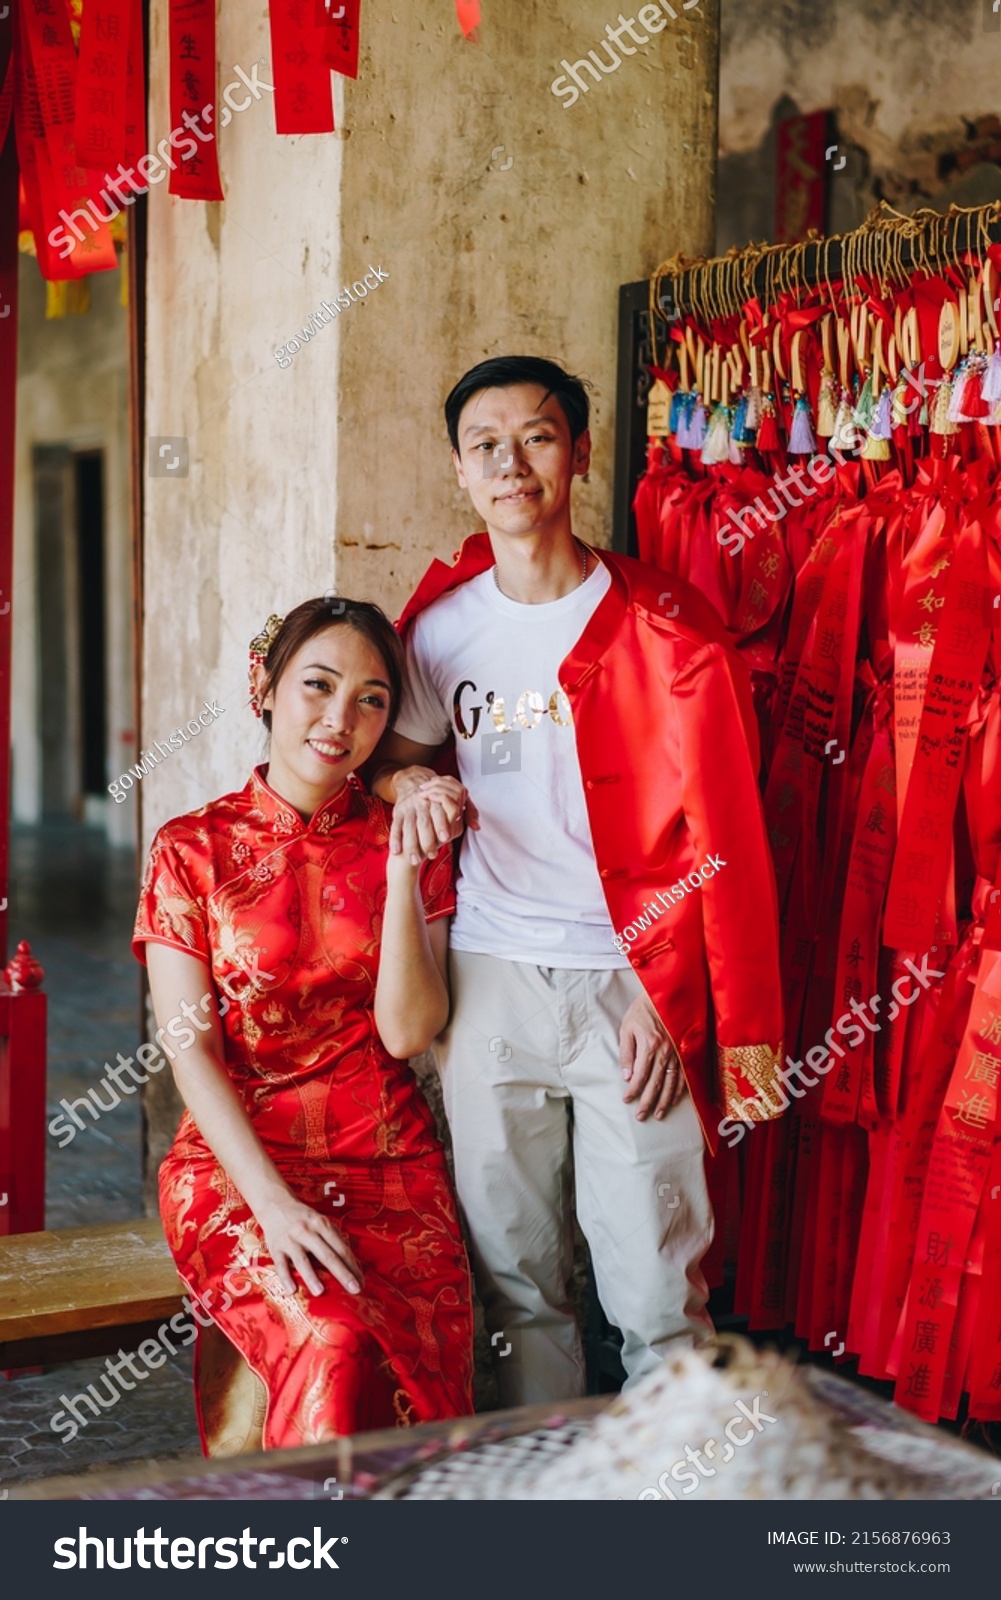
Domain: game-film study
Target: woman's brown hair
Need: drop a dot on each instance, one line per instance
(315, 616)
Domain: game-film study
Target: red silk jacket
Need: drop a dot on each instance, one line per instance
(668, 748)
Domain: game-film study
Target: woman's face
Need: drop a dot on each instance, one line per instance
(328, 712)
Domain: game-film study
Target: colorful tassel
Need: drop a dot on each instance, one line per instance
(844, 436)
(801, 439)
(755, 406)
(865, 406)
(697, 428)
(940, 421)
(717, 446)
(768, 430)
(740, 423)
(826, 407)
(881, 420)
(686, 403)
(972, 406)
(991, 391)
(955, 412)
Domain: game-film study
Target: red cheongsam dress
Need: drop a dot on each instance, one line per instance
(287, 915)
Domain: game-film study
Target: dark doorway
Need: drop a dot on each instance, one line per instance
(89, 472)
(72, 678)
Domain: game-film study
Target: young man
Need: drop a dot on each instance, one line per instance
(615, 859)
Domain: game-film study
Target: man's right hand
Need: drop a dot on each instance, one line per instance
(429, 810)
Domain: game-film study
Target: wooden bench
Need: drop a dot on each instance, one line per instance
(81, 1292)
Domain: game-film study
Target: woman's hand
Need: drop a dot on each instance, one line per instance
(430, 810)
(294, 1233)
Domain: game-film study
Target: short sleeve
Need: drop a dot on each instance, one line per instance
(171, 909)
(422, 715)
(437, 883)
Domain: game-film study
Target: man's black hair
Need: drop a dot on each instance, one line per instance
(503, 372)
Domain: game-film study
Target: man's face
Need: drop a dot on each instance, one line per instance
(516, 460)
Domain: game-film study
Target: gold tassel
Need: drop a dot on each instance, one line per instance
(827, 420)
(939, 420)
(69, 297)
(876, 449)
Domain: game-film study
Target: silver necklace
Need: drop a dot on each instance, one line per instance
(583, 566)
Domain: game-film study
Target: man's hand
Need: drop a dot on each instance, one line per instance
(648, 1060)
(430, 810)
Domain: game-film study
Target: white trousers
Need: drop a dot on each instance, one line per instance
(529, 1065)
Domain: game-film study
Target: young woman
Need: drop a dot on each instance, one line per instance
(306, 1176)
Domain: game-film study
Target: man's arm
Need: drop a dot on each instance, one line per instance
(428, 809)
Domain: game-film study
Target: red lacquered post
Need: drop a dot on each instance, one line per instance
(22, 1095)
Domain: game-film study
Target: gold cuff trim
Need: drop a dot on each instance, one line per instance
(752, 1088)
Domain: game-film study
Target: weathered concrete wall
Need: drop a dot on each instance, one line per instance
(914, 89)
(487, 258)
(72, 390)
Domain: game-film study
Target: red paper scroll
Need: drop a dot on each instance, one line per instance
(304, 100)
(193, 100)
(339, 19)
(70, 239)
(110, 93)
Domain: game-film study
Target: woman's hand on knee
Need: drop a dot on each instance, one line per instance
(297, 1237)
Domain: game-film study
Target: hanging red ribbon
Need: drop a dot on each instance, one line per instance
(304, 100)
(468, 13)
(71, 240)
(101, 83)
(193, 119)
(339, 18)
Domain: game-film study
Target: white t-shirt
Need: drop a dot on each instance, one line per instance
(485, 668)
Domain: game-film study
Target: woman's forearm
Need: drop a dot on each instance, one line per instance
(411, 998)
(224, 1124)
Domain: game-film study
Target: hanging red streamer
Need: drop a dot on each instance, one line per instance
(304, 100)
(339, 19)
(194, 155)
(468, 13)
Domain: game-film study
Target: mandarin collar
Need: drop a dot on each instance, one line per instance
(285, 819)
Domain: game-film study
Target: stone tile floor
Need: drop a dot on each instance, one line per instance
(73, 898)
